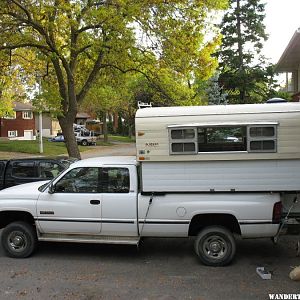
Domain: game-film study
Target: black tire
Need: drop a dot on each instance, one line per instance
(84, 142)
(215, 246)
(19, 239)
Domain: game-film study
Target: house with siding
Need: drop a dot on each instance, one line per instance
(289, 64)
(20, 125)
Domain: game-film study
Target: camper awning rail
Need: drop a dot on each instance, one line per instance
(238, 123)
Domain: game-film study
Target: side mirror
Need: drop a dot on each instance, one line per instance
(51, 189)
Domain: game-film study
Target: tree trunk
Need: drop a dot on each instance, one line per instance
(130, 130)
(115, 122)
(66, 125)
(105, 134)
(240, 50)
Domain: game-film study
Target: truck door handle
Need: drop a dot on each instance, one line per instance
(95, 202)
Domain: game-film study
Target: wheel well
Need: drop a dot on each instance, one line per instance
(7, 217)
(199, 222)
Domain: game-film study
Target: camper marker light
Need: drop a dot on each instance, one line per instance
(141, 158)
(141, 133)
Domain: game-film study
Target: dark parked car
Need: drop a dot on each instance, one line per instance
(19, 171)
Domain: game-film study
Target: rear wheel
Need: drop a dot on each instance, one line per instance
(215, 246)
(19, 239)
(84, 143)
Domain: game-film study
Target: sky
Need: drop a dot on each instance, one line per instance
(282, 20)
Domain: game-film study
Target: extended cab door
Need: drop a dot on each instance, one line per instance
(119, 200)
(75, 204)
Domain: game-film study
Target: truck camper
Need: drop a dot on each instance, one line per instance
(223, 148)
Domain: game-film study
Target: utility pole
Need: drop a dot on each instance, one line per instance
(40, 119)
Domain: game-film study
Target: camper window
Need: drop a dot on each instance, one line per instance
(262, 139)
(227, 138)
(183, 141)
(251, 138)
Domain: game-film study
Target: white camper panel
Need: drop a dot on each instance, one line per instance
(221, 176)
(279, 121)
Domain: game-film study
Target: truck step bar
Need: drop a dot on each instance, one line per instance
(79, 238)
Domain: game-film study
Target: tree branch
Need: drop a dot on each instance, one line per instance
(61, 82)
(24, 45)
(91, 78)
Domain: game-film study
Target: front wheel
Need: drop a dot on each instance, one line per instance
(215, 246)
(19, 239)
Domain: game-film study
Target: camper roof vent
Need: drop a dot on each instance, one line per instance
(276, 100)
(144, 105)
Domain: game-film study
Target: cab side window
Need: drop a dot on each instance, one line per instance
(79, 180)
(115, 180)
(2, 167)
(23, 169)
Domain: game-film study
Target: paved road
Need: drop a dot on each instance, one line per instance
(160, 269)
(114, 150)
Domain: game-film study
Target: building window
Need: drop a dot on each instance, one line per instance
(10, 116)
(251, 138)
(27, 115)
(12, 133)
(262, 139)
(183, 141)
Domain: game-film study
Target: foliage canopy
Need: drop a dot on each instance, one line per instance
(70, 43)
(245, 73)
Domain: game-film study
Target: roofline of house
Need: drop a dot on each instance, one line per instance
(283, 56)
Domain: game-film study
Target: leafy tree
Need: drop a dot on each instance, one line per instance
(76, 39)
(8, 85)
(214, 92)
(244, 71)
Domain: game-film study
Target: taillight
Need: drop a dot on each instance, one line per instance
(277, 211)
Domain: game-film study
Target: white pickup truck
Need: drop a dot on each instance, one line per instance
(100, 200)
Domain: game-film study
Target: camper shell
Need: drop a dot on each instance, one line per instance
(223, 148)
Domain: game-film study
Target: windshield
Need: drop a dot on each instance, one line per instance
(66, 162)
(44, 186)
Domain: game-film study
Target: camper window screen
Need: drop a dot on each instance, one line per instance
(183, 141)
(262, 139)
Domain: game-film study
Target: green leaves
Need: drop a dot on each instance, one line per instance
(243, 70)
(78, 44)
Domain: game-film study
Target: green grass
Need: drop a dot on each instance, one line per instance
(32, 147)
(50, 148)
(53, 148)
(119, 138)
